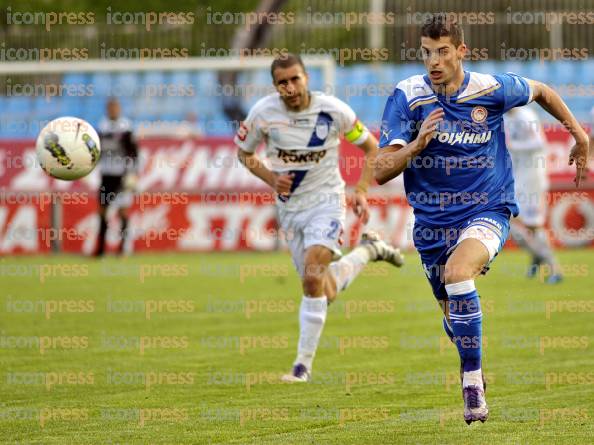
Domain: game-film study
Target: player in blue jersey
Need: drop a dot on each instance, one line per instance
(443, 132)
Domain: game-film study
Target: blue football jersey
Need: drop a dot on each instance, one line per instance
(466, 167)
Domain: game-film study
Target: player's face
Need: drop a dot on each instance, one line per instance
(113, 110)
(292, 84)
(442, 59)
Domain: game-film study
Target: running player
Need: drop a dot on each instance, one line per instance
(301, 130)
(443, 131)
(526, 142)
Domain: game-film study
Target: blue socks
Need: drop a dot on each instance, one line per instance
(466, 320)
(447, 328)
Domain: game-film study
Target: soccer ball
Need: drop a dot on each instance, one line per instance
(68, 148)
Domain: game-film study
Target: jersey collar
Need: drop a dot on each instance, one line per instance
(460, 90)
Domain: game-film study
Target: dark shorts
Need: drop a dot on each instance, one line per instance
(435, 245)
(111, 187)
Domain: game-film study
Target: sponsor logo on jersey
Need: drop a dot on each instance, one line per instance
(298, 156)
(463, 137)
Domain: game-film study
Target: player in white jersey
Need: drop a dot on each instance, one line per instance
(301, 130)
(527, 145)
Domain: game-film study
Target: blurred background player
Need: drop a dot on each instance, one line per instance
(527, 146)
(301, 130)
(117, 166)
(591, 126)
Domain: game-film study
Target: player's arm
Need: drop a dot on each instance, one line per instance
(361, 207)
(279, 183)
(369, 147)
(393, 160)
(550, 101)
(356, 133)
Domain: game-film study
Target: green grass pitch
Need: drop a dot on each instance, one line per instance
(188, 348)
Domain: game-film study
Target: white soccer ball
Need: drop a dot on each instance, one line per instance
(68, 148)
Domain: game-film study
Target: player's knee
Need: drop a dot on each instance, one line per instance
(455, 273)
(312, 281)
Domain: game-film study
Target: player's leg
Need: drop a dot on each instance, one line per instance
(479, 243)
(464, 311)
(312, 311)
(319, 285)
(342, 273)
(531, 194)
(105, 197)
(123, 202)
(544, 254)
(314, 244)
(524, 238)
(537, 226)
(524, 178)
(291, 227)
(123, 213)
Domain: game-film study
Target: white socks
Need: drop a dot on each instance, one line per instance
(312, 315)
(348, 267)
(472, 378)
(312, 312)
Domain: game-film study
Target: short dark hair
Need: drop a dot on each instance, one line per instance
(443, 25)
(285, 61)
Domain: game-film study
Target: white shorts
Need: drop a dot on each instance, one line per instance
(531, 184)
(487, 236)
(321, 225)
(490, 228)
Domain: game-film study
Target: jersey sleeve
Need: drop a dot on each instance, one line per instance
(352, 128)
(397, 121)
(249, 134)
(516, 90)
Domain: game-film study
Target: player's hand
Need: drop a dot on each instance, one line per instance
(361, 207)
(282, 184)
(579, 156)
(428, 127)
(130, 181)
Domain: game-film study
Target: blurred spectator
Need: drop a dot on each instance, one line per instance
(187, 128)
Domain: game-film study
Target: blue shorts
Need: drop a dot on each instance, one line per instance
(436, 244)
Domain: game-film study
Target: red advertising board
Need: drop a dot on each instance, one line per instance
(199, 222)
(195, 196)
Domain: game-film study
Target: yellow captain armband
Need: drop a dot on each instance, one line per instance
(357, 134)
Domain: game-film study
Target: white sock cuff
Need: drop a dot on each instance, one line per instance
(318, 304)
(463, 287)
(472, 378)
